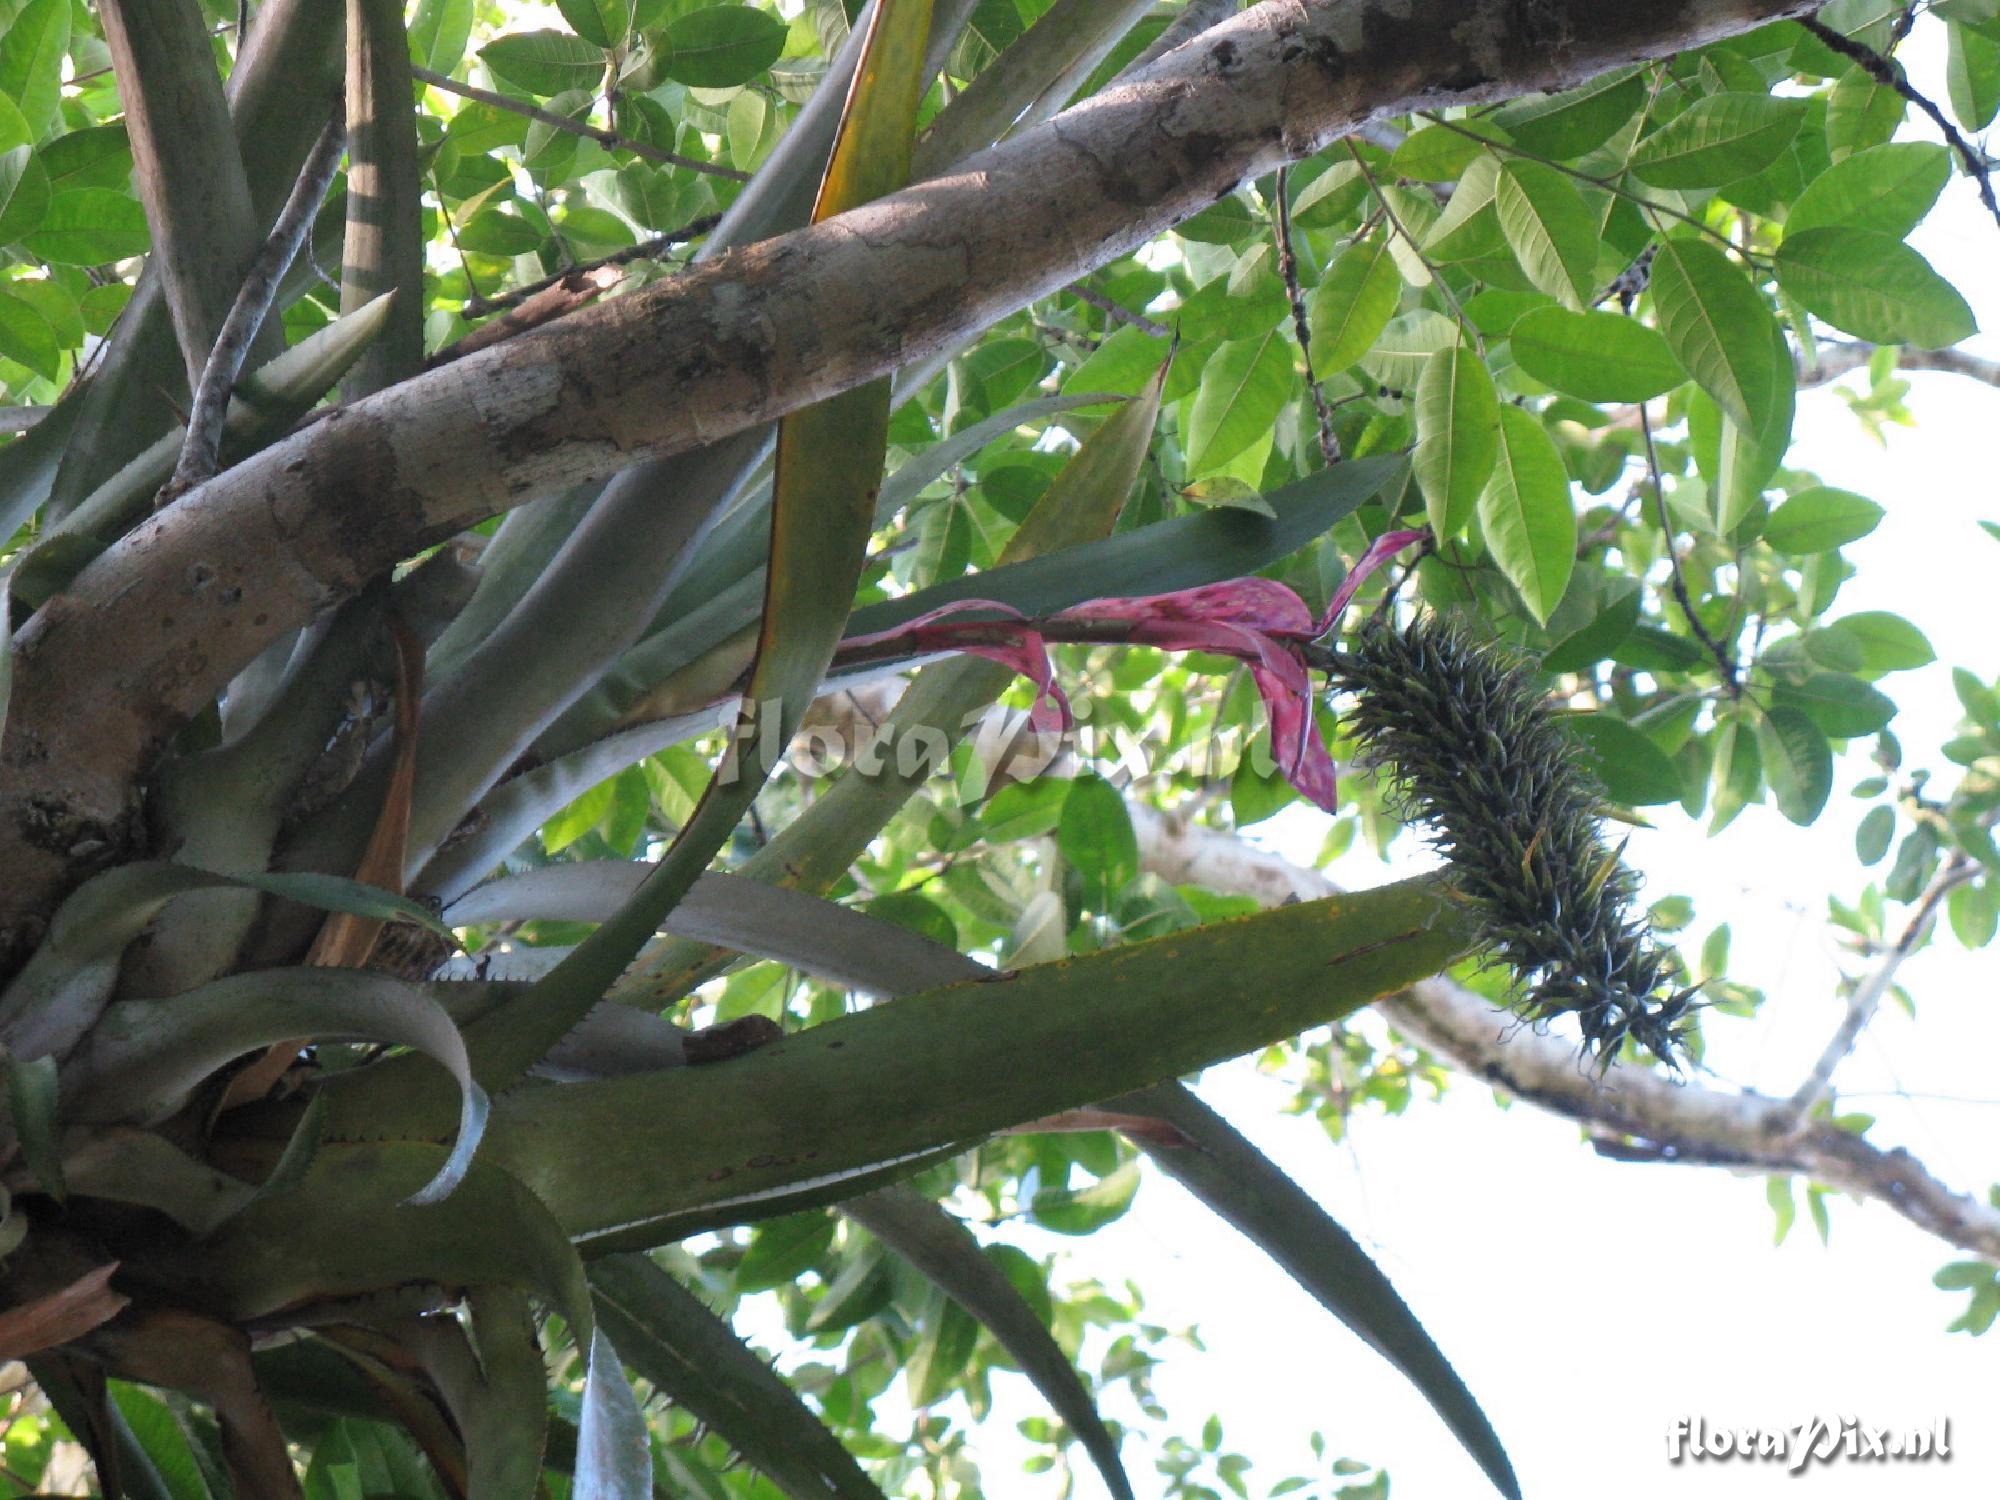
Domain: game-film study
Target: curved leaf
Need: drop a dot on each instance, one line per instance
(1887, 189)
(1717, 326)
(1550, 230)
(1872, 286)
(822, 938)
(695, 1359)
(143, 1057)
(1458, 437)
(945, 1251)
(1353, 304)
(1718, 139)
(1245, 1188)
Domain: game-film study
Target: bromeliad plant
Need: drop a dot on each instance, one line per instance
(291, 723)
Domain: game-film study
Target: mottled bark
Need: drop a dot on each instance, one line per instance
(108, 671)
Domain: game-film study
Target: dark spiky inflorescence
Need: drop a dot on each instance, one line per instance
(1477, 756)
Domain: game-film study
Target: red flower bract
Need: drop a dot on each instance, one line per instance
(1256, 621)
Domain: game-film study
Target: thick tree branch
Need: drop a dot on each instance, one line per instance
(108, 671)
(1629, 1112)
(1834, 358)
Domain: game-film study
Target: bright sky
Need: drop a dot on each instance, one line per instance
(1587, 1303)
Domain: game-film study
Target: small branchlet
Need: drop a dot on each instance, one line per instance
(1477, 756)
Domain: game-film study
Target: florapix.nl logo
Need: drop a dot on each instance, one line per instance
(1822, 1440)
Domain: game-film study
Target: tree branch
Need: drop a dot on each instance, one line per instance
(1890, 76)
(1833, 358)
(201, 449)
(1630, 1112)
(107, 671)
(1867, 996)
(610, 140)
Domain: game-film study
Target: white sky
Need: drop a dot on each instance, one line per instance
(1589, 1303)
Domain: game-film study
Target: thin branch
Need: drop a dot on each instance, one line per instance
(1727, 667)
(1629, 1111)
(1833, 358)
(1288, 272)
(609, 139)
(1890, 76)
(1465, 324)
(547, 300)
(1867, 996)
(20, 418)
(1118, 312)
(652, 249)
(201, 452)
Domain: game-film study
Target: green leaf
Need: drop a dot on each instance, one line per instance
(1872, 286)
(31, 1103)
(602, 23)
(782, 1250)
(24, 193)
(98, 156)
(1872, 835)
(544, 62)
(1181, 553)
(1243, 388)
(1716, 325)
(1886, 189)
(1718, 139)
(1549, 229)
(1595, 356)
(694, 1359)
(1458, 437)
(1972, 75)
(1096, 837)
(1880, 641)
(1438, 153)
(1974, 913)
(25, 336)
(1819, 520)
(90, 227)
(31, 58)
(1525, 512)
(1797, 761)
(944, 1347)
(1352, 304)
(1086, 1210)
(1576, 121)
(1249, 1192)
(438, 34)
(1843, 706)
(1633, 770)
(1860, 113)
(720, 46)
(944, 1250)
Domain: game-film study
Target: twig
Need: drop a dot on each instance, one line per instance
(201, 452)
(1465, 324)
(611, 140)
(1118, 312)
(548, 300)
(480, 307)
(1288, 272)
(1867, 996)
(1728, 668)
(1834, 358)
(1886, 73)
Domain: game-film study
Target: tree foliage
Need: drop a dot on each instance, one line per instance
(434, 1014)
